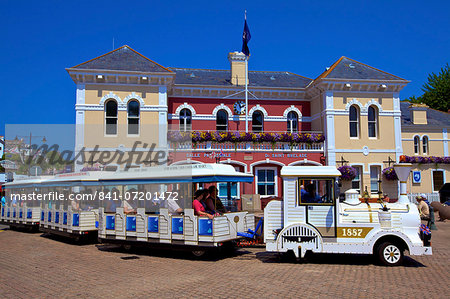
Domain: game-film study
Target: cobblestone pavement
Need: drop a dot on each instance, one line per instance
(36, 266)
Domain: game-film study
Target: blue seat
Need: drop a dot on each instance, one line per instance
(252, 234)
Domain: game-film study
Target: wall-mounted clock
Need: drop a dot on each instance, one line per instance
(239, 107)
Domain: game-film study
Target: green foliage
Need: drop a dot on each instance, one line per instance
(436, 90)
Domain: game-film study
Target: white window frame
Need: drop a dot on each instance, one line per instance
(238, 185)
(184, 121)
(262, 123)
(425, 149)
(290, 122)
(116, 117)
(375, 108)
(275, 169)
(358, 120)
(379, 167)
(138, 118)
(418, 145)
(361, 173)
(432, 179)
(227, 118)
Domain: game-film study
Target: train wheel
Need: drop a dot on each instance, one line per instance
(198, 253)
(390, 254)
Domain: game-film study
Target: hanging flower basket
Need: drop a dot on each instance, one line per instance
(424, 160)
(389, 174)
(348, 173)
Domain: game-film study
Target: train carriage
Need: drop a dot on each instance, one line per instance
(151, 221)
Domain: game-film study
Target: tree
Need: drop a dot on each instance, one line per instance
(436, 91)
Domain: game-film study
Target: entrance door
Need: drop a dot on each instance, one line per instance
(318, 197)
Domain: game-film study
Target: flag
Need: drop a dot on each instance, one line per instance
(246, 36)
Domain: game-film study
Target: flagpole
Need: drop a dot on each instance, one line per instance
(246, 94)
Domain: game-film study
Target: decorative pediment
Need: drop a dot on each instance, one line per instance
(108, 96)
(185, 106)
(134, 96)
(259, 108)
(292, 108)
(222, 107)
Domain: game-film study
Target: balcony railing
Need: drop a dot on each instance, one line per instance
(264, 141)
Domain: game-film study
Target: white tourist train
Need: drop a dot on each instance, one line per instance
(133, 208)
(311, 218)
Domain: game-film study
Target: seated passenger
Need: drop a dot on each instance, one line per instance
(171, 204)
(310, 196)
(128, 205)
(200, 206)
(213, 201)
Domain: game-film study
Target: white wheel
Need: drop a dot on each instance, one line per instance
(390, 254)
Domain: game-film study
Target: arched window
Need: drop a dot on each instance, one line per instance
(425, 145)
(416, 144)
(133, 117)
(257, 121)
(111, 117)
(372, 119)
(354, 121)
(185, 120)
(222, 120)
(292, 122)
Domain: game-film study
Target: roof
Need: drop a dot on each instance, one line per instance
(346, 68)
(310, 171)
(123, 59)
(434, 117)
(223, 77)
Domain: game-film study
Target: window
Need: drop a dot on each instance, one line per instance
(356, 182)
(374, 177)
(133, 117)
(316, 191)
(185, 120)
(438, 180)
(416, 144)
(222, 120)
(354, 121)
(425, 145)
(372, 119)
(257, 121)
(292, 122)
(111, 117)
(266, 181)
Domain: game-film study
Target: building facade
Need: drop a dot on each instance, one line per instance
(349, 115)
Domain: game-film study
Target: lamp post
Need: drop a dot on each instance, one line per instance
(402, 170)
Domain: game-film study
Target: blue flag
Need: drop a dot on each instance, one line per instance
(246, 36)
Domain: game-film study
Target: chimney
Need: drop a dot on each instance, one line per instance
(237, 62)
(418, 114)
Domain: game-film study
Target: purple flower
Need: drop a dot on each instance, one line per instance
(348, 172)
(389, 174)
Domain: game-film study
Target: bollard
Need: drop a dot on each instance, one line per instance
(431, 223)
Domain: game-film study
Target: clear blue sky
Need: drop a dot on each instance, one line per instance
(41, 38)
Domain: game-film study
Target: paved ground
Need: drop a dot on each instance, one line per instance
(36, 266)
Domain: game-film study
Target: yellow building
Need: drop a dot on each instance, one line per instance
(425, 143)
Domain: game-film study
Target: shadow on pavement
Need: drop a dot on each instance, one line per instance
(76, 240)
(330, 259)
(134, 252)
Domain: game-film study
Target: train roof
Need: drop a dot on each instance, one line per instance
(163, 174)
(310, 171)
(181, 173)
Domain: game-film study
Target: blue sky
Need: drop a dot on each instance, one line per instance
(40, 39)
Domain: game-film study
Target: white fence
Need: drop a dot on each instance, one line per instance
(430, 197)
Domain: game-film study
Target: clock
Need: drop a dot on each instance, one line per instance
(239, 107)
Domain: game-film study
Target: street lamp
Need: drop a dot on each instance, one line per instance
(402, 170)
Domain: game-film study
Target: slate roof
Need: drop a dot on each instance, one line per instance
(346, 68)
(223, 77)
(435, 118)
(122, 59)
